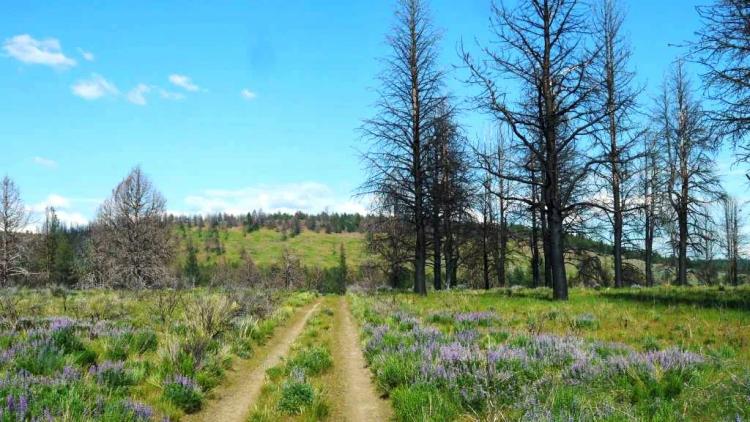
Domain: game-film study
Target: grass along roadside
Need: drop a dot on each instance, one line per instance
(127, 356)
(296, 389)
(490, 356)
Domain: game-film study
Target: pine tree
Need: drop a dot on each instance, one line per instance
(192, 269)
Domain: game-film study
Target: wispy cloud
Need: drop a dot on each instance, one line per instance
(94, 88)
(183, 82)
(45, 162)
(169, 95)
(248, 95)
(87, 55)
(67, 209)
(137, 95)
(45, 52)
(304, 196)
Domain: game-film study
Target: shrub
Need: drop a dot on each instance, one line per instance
(314, 360)
(44, 359)
(111, 374)
(183, 392)
(295, 396)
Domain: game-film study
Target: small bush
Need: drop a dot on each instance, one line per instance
(183, 393)
(295, 396)
(314, 360)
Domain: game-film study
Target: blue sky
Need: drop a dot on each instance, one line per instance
(227, 105)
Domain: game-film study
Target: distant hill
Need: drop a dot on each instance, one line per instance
(265, 246)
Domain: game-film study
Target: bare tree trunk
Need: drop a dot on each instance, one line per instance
(449, 276)
(535, 276)
(557, 259)
(436, 251)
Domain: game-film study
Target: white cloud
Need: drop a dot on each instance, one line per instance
(45, 52)
(311, 197)
(45, 162)
(137, 95)
(248, 95)
(183, 82)
(87, 55)
(63, 208)
(94, 88)
(54, 200)
(168, 95)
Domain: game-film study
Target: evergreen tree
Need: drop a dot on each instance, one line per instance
(192, 270)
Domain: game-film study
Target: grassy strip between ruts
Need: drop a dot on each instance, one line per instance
(487, 356)
(104, 355)
(295, 390)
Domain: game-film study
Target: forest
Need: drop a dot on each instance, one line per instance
(585, 259)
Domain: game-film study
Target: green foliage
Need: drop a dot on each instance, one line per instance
(187, 399)
(314, 360)
(423, 402)
(295, 396)
(394, 371)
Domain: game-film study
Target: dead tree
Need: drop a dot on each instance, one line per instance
(542, 46)
(649, 181)
(410, 99)
(618, 138)
(449, 191)
(131, 236)
(689, 146)
(13, 221)
(723, 48)
(731, 225)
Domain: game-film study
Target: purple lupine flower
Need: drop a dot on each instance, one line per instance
(183, 381)
(467, 336)
(23, 406)
(674, 359)
(61, 323)
(474, 318)
(140, 411)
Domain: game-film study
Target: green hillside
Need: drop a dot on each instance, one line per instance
(265, 246)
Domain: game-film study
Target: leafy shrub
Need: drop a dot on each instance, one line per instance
(44, 359)
(183, 392)
(314, 360)
(111, 374)
(295, 396)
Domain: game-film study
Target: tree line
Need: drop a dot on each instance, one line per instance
(133, 243)
(576, 148)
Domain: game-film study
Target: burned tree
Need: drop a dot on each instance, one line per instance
(732, 237)
(449, 193)
(542, 45)
(13, 221)
(617, 138)
(401, 132)
(131, 236)
(689, 146)
(723, 48)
